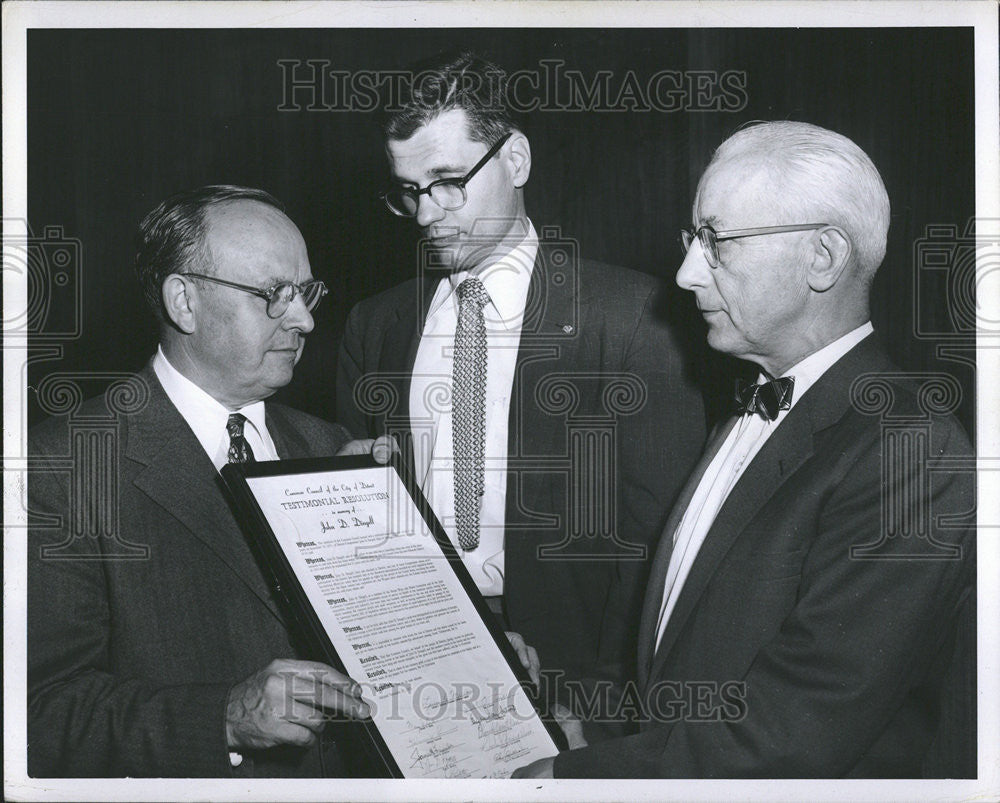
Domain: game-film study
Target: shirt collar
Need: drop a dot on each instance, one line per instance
(202, 412)
(506, 281)
(808, 370)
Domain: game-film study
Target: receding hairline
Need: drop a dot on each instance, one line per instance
(469, 129)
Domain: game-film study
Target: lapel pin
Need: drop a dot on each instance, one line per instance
(568, 328)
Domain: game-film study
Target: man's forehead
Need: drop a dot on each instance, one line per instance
(254, 240)
(733, 188)
(440, 143)
(245, 217)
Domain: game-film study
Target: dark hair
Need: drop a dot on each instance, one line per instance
(467, 82)
(172, 236)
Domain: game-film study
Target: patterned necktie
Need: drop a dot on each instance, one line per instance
(766, 399)
(239, 449)
(468, 409)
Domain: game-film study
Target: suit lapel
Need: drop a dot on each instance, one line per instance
(661, 560)
(180, 478)
(399, 352)
(783, 453)
(550, 332)
(550, 336)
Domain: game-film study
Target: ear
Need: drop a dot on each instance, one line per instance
(179, 302)
(831, 254)
(519, 159)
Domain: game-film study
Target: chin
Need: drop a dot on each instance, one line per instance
(724, 342)
(279, 378)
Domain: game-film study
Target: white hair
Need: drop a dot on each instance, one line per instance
(819, 173)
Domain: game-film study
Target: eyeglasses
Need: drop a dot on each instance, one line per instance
(448, 193)
(709, 237)
(277, 297)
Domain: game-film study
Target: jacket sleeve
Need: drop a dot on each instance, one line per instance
(83, 719)
(659, 444)
(862, 635)
(350, 367)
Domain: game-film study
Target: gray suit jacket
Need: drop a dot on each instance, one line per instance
(145, 604)
(826, 628)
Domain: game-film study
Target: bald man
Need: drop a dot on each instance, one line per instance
(804, 605)
(182, 663)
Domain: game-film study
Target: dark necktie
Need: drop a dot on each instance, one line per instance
(468, 409)
(766, 399)
(239, 449)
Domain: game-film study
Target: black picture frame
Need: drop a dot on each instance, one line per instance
(302, 617)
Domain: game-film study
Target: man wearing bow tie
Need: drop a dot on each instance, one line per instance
(810, 605)
(541, 398)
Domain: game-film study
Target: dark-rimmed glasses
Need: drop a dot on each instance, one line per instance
(448, 193)
(278, 296)
(709, 237)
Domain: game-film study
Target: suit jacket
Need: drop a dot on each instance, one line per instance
(132, 650)
(823, 630)
(597, 365)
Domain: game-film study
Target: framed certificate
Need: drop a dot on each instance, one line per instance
(380, 593)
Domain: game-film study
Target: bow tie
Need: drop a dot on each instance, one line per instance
(766, 399)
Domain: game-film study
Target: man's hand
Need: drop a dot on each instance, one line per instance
(536, 769)
(571, 726)
(528, 656)
(289, 702)
(380, 448)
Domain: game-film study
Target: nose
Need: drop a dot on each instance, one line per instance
(297, 316)
(694, 270)
(428, 212)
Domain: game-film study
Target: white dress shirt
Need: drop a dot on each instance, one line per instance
(736, 453)
(208, 418)
(506, 282)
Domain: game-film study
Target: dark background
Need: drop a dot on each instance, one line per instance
(119, 119)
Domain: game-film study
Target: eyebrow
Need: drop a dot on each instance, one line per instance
(436, 171)
(275, 280)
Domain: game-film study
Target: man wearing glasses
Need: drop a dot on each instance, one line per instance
(482, 352)
(809, 610)
(180, 663)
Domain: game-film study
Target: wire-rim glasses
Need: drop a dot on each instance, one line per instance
(709, 238)
(278, 296)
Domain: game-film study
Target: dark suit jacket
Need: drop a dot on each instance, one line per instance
(596, 365)
(817, 647)
(130, 658)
